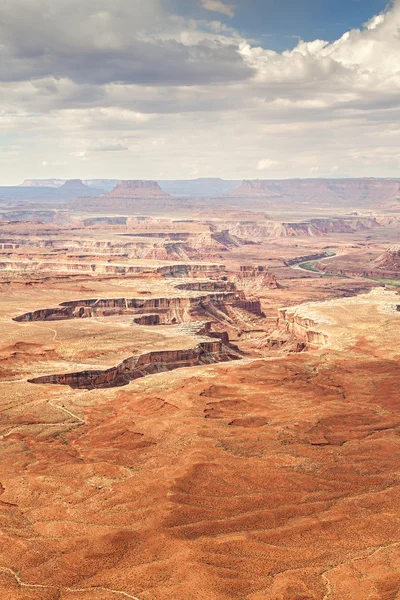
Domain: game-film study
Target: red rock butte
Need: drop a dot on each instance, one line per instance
(137, 189)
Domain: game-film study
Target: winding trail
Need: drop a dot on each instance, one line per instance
(65, 589)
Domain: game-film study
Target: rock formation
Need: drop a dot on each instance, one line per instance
(171, 310)
(54, 183)
(253, 279)
(75, 185)
(345, 192)
(96, 268)
(137, 189)
(302, 326)
(205, 353)
(389, 260)
(311, 228)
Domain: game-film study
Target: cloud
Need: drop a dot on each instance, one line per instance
(90, 43)
(267, 163)
(84, 81)
(113, 147)
(219, 7)
(54, 163)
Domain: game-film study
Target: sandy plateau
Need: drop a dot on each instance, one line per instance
(200, 408)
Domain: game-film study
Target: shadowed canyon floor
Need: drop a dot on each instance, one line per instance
(274, 476)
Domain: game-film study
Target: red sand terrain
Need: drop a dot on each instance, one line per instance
(270, 476)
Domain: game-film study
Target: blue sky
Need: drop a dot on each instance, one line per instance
(179, 89)
(274, 22)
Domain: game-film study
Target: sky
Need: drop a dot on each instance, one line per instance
(180, 89)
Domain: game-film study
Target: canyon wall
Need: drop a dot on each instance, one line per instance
(207, 352)
(311, 228)
(254, 279)
(173, 310)
(303, 327)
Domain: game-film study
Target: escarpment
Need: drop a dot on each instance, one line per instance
(389, 260)
(318, 227)
(302, 327)
(254, 279)
(205, 353)
(170, 310)
(172, 270)
(338, 192)
(208, 286)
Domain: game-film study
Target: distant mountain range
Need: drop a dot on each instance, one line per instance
(211, 186)
(251, 194)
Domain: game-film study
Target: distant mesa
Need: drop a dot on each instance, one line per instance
(53, 183)
(137, 189)
(75, 185)
(353, 192)
(75, 188)
(98, 184)
(125, 196)
(256, 187)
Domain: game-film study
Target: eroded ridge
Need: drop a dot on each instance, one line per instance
(169, 310)
(135, 367)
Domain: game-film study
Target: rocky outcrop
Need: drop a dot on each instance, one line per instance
(154, 319)
(303, 327)
(192, 270)
(252, 305)
(81, 309)
(171, 310)
(254, 279)
(311, 228)
(67, 267)
(389, 260)
(208, 286)
(207, 352)
(174, 270)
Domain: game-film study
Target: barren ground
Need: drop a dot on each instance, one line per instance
(275, 477)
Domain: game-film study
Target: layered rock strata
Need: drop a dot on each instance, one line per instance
(311, 228)
(173, 310)
(171, 270)
(302, 326)
(207, 352)
(254, 279)
(363, 192)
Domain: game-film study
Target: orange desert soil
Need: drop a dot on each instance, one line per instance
(274, 476)
(260, 479)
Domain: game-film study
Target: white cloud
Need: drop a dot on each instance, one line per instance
(219, 7)
(186, 95)
(267, 164)
(54, 163)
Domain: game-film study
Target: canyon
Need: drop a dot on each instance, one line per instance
(199, 405)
